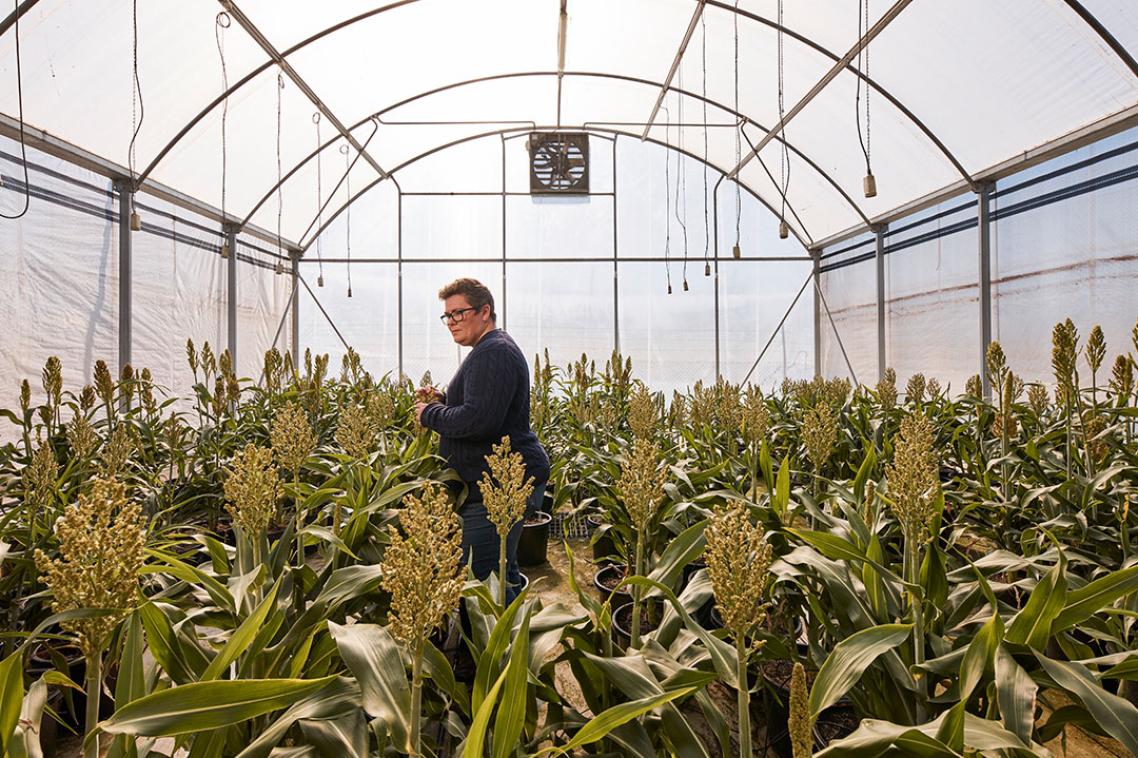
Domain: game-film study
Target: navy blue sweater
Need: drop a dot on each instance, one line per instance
(487, 399)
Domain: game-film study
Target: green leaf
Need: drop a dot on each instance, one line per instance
(512, 710)
(1088, 600)
(600, 725)
(1032, 625)
(337, 699)
(130, 684)
(178, 656)
(1117, 716)
(1015, 694)
(495, 648)
(979, 658)
(476, 737)
(876, 738)
(848, 661)
(780, 504)
(346, 735)
(242, 637)
(11, 697)
(373, 656)
(202, 706)
(684, 548)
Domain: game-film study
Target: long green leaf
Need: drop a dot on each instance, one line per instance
(848, 661)
(1032, 625)
(1117, 716)
(515, 698)
(202, 706)
(603, 723)
(374, 658)
(496, 646)
(979, 658)
(1015, 694)
(476, 737)
(1090, 599)
(242, 637)
(11, 697)
(337, 699)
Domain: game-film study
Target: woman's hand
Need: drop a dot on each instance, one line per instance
(428, 395)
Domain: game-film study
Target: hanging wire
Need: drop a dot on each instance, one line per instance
(703, 68)
(137, 108)
(682, 176)
(667, 199)
(863, 65)
(280, 197)
(784, 154)
(319, 203)
(738, 142)
(23, 146)
(222, 22)
(348, 212)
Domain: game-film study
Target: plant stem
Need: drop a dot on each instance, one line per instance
(416, 701)
(634, 632)
(912, 570)
(502, 569)
(94, 691)
(744, 696)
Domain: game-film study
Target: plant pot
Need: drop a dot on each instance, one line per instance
(607, 578)
(534, 541)
(604, 549)
(834, 723)
(650, 614)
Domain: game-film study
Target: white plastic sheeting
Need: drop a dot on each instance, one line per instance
(967, 85)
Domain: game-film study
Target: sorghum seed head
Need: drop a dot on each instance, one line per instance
(101, 551)
(53, 380)
(642, 416)
(505, 488)
(104, 384)
(1097, 447)
(232, 388)
(756, 416)
(117, 451)
(914, 477)
(973, 387)
(1096, 348)
(81, 437)
(40, 476)
(87, 397)
(292, 437)
(887, 389)
(728, 409)
(915, 389)
(381, 408)
(800, 724)
(738, 561)
(218, 401)
(208, 360)
(642, 483)
(192, 356)
(422, 566)
(356, 432)
(819, 434)
(1038, 400)
(1122, 376)
(225, 362)
(251, 489)
(933, 388)
(25, 395)
(996, 361)
(1064, 351)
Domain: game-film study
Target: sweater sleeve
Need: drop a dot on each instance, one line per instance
(489, 386)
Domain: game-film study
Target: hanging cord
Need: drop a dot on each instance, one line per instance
(348, 212)
(863, 65)
(784, 155)
(682, 177)
(139, 115)
(23, 146)
(319, 203)
(280, 197)
(703, 66)
(738, 139)
(667, 198)
(222, 22)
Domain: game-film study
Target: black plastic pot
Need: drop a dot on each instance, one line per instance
(534, 542)
(604, 549)
(650, 614)
(611, 573)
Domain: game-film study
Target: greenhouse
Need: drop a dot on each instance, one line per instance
(783, 401)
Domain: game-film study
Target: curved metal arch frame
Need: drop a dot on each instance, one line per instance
(400, 3)
(517, 130)
(618, 77)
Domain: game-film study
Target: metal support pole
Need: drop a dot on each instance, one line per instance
(294, 337)
(880, 258)
(817, 313)
(126, 206)
(983, 201)
(503, 298)
(399, 278)
(231, 291)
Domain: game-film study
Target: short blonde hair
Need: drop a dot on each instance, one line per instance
(475, 292)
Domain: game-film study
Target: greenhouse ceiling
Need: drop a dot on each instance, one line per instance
(948, 95)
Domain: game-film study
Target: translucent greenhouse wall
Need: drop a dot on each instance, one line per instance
(570, 274)
(61, 265)
(1064, 244)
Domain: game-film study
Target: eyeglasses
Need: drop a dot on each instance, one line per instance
(456, 315)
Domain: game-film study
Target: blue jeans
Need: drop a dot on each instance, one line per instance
(480, 542)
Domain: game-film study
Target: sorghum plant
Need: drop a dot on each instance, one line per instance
(642, 487)
(1096, 354)
(1064, 352)
(101, 551)
(738, 560)
(756, 422)
(887, 390)
(505, 490)
(293, 442)
(642, 416)
(251, 489)
(819, 435)
(422, 569)
(800, 724)
(913, 488)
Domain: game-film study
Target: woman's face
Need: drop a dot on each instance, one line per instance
(473, 325)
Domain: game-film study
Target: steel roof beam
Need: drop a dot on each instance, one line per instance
(289, 71)
(830, 75)
(666, 86)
